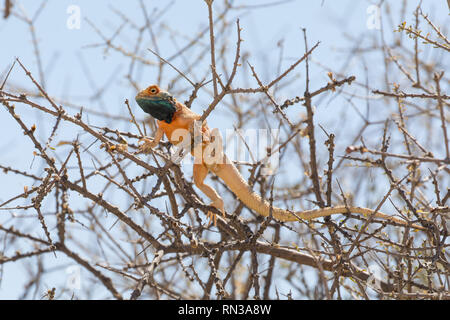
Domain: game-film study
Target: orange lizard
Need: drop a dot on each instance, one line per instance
(174, 117)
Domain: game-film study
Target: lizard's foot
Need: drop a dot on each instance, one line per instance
(212, 217)
(147, 146)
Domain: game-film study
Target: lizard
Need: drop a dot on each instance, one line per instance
(173, 116)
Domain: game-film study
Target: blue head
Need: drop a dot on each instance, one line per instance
(159, 104)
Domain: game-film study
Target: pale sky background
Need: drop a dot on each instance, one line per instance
(62, 50)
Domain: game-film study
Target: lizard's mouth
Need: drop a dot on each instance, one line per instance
(159, 108)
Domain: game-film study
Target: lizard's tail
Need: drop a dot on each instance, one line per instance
(233, 179)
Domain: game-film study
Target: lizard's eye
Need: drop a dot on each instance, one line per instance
(153, 90)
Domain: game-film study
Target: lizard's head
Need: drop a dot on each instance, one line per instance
(159, 104)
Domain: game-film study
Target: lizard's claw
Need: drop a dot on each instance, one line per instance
(147, 146)
(212, 217)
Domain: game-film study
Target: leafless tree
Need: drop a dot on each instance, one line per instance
(136, 226)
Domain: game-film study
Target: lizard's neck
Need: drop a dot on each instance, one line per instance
(158, 108)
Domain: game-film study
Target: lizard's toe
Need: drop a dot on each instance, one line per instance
(147, 146)
(212, 217)
(219, 205)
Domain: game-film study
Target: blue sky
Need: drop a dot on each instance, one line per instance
(68, 55)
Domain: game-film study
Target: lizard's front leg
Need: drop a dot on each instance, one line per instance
(148, 144)
(200, 171)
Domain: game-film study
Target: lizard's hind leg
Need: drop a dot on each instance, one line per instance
(200, 171)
